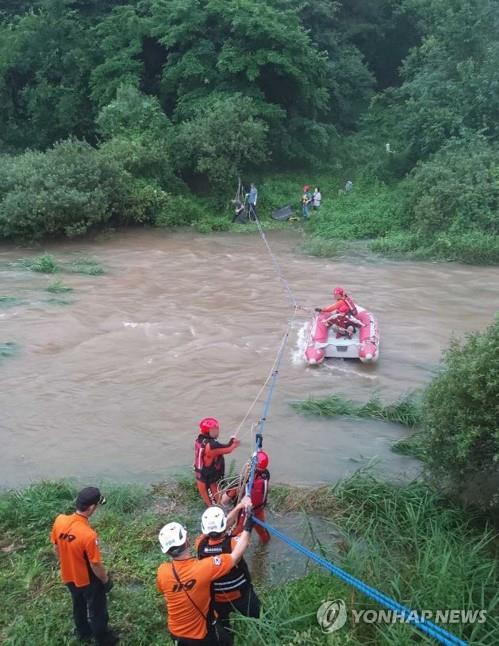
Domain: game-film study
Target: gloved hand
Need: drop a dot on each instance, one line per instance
(248, 523)
(108, 585)
(318, 309)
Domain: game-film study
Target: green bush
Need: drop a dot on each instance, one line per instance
(460, 413)
(455, 192)
(64, 191)
(181, 210)
(210, 224)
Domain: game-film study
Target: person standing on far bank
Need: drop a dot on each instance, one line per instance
(76, 546)
(252, 198)
(316, 198)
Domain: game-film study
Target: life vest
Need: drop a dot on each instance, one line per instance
(260, 492)
(238, 579)
(207, 474)
(341, 317)
(352, 308)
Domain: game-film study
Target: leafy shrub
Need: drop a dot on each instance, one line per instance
(64, 191)
(143, 203)
(210, 224)
(180, 210)
(460, 413)
(457, 191)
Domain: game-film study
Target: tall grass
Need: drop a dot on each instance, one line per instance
(409, 543)
(406, 411)
(86, 266)
(44, 264)
(470, 248)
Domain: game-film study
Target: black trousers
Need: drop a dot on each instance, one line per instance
(248, 605)
(217, 636)
(90, 611)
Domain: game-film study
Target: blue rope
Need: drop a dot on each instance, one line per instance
(263, 418)
(431, 629)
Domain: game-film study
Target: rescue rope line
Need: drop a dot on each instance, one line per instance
(276, 264)
(409, 616)
(418, 621)
(266, 408)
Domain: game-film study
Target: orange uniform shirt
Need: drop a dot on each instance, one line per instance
(76, 542)
(184, 619)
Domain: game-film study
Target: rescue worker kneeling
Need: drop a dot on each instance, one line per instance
(343, 314)
(186, 584)
(233, 591)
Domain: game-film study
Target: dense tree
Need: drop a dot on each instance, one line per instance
(45, 63)
(450, 81)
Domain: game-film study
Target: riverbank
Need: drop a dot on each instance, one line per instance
(372, 215)
(408, 542)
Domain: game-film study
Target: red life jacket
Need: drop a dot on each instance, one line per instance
(346, 309)
(216, 470)
(350, 307)
(260, 489)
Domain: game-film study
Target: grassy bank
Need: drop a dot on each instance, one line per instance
(407, 542)
(374, 212)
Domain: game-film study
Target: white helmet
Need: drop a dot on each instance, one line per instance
(171, 536)
(213, 521)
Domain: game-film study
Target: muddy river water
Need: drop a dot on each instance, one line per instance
(110, 380)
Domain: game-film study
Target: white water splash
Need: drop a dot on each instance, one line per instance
(302, 337)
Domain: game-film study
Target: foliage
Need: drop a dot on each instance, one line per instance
(460, 413)
(370, 209)
(223, 136)
(138, 136)
(87, 266)
(45, 62)
(406, 411)
(45, 264)
(66, 190)
(406, 542)
(317, 246)
(473, 248)
(457, 191)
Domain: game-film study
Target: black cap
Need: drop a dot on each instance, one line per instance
(89, 496)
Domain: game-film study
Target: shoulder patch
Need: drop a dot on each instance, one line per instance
(217, 560)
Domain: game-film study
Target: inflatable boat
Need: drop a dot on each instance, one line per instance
(323, 341)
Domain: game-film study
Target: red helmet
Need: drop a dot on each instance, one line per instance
(339, 291)
(262, 460)
(207, 424)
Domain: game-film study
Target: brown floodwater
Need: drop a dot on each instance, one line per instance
(109, 381)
